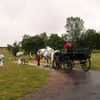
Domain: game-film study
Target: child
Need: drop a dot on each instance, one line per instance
(38, 59)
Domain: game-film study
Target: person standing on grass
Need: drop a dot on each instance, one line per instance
(1, 60)
(38, 58)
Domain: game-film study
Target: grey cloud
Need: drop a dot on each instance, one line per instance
(35, 16)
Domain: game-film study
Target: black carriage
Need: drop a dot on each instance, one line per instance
(67, 60)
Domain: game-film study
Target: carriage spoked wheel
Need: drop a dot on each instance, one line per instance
(67, 64)
(85, 64)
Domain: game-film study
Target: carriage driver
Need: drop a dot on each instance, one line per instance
(68, 46)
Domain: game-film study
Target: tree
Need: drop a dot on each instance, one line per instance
(14, 48)
(90, 39)
(26, 36)
(74, 27)
(55, 41)
(9, 47)
(44, 37)
(32, 44)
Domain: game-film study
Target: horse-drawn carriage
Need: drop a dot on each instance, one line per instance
(67, 60)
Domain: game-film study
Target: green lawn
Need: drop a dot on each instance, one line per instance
(95, 61)
(17, 81)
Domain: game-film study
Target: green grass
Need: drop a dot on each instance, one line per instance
(95, 61)
(8, 55)
(18, 81)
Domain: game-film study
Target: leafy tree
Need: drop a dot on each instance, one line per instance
(32, 44)
(98, 41)
(74, 27)
(44, 37)
(90, 39)
(9, 47)
(55, 41)
(38, 42)
(26, 36)
(15, 48)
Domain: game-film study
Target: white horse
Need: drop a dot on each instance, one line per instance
(48, 54)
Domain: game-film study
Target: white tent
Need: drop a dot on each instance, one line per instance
(19, 54)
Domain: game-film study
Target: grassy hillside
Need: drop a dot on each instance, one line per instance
(19, 80)
(7, 54)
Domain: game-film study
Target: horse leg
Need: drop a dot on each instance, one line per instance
(43, 59)
(47, 61)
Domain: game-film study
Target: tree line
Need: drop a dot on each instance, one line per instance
(75, 33)
(30, 44)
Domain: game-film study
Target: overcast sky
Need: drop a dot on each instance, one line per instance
(19, 17)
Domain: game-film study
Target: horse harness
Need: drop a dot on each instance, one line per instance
(47, 54)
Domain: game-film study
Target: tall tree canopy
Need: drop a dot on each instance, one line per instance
(55, 41)
(91, 39)
(74, 27)
(32, 43)
(14, 48)
(44, 37)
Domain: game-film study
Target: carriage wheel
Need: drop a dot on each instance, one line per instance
(56, 65)
(67, 65)
(85, 64)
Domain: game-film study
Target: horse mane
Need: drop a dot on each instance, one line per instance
(49, 48)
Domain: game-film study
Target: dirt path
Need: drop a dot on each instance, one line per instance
(78, 85)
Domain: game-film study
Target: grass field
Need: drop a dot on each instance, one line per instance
(18, 81)
(95, 61)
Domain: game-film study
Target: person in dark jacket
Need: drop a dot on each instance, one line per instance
(38, 59)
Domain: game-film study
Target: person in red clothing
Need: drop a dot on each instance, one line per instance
(38, 59)
(68, 46)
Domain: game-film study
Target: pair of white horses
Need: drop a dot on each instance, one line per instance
(48, 54)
